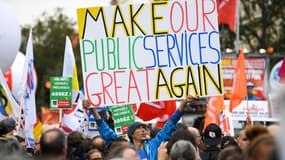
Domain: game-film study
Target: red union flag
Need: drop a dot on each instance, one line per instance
(170, 108)
(149, 111)
(239, 90)
(162, 110)
(227, 13)
(214, 108)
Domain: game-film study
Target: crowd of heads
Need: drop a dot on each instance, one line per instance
(253, 142)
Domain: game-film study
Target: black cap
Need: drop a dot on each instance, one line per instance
(213, 134)
(7, 125)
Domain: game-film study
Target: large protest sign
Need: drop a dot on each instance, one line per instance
(150, 52)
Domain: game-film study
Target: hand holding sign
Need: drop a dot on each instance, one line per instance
(86, 104)
(185, 101)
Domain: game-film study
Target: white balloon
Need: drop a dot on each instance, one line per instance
(10, 36)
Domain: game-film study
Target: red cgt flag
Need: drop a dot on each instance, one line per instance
(227, 13)
(239, 90)
(214, 108)
(162, 110)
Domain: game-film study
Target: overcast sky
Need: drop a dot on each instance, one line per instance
(29, 10)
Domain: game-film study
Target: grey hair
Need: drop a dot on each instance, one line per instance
(183, 150)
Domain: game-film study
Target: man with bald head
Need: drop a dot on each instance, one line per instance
(198, 140)
(53, 145)
(196, 133)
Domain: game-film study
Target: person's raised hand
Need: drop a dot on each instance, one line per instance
(86, 104)
(185, 101)
(162, 151)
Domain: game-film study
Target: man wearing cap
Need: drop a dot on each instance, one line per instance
(212, 140)
(250, 95)
(137, 133)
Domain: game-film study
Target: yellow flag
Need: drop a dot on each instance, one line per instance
(38, 129)
(11, 108)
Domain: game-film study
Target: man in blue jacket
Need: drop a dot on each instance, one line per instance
(250, 90)
(146, 149)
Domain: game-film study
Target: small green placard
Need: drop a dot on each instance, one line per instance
(123, 116)
(61, 93)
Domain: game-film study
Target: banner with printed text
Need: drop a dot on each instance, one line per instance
(150, 52)
(255, 73)
(257, 110)
(123, 116)
(61, 93)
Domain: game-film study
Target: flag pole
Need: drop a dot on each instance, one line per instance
(20, 120)
(21, 103)
(237, 42)
(248, 119)
(60, 117)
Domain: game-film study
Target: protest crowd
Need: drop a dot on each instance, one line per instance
(175, 141)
